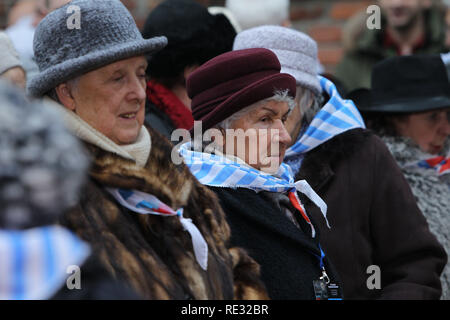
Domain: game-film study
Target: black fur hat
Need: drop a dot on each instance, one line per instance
(194, 36)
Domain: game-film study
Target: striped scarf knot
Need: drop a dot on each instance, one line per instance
(144, 203)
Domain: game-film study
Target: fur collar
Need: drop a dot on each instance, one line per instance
(406, 151)
(168, 103)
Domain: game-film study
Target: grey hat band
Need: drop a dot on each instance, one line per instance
(106, 33)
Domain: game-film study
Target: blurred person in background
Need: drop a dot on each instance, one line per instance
(243, 98)
(194, 37)
(407, 27)
(151, 223)
(253, 13)
(10, 66)
(353, 172)
(42, 170)
(409, 108)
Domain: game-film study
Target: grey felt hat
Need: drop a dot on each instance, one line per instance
(107, 33)
(9, 58)
(296, 51)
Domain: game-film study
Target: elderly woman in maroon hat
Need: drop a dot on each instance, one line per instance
(243, 101)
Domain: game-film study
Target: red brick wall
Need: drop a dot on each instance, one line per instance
(321, 19)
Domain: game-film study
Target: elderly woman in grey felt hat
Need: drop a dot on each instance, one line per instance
(149, 220)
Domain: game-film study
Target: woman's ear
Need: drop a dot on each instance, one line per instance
(65, 96)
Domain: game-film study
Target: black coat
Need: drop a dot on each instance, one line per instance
(374, 219)
(288, 255)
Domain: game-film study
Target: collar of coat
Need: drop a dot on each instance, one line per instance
(317, 166)
(169, 182)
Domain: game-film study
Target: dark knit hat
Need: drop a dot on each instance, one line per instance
(233, 81)
(194, 36)
(405, 84)
(107, 33)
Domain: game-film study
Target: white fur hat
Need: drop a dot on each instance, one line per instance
(296, 51)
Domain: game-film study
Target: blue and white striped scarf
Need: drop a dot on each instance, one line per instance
(219, 171)
(335, 117)
(33, 263)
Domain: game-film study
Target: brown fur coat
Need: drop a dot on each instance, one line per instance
(154, 254)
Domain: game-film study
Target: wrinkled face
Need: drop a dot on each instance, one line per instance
(262, 139)
(401, 13)
(428, 129)
(112, 99)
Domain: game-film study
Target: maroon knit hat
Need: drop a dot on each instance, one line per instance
(234, 80)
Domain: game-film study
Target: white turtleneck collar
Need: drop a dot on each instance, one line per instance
(138, 151)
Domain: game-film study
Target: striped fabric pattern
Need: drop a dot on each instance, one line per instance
(335, 117)
(145, 203)
(33, 262)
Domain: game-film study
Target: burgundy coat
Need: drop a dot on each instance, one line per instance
(374, 220)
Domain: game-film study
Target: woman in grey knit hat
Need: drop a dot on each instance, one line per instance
(151, 223)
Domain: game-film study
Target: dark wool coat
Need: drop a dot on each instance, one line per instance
(374, 219)
(288, 256)
(153, 254)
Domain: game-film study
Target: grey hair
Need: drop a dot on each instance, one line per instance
(279, 96)
(308, 110)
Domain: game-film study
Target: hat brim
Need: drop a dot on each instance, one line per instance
(257, 91)
(44, 81)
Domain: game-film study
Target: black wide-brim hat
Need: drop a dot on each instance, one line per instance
(234, 80)
(405, 84)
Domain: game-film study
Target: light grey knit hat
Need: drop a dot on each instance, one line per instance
(107, 33)
(296, 51)
(9, 58)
